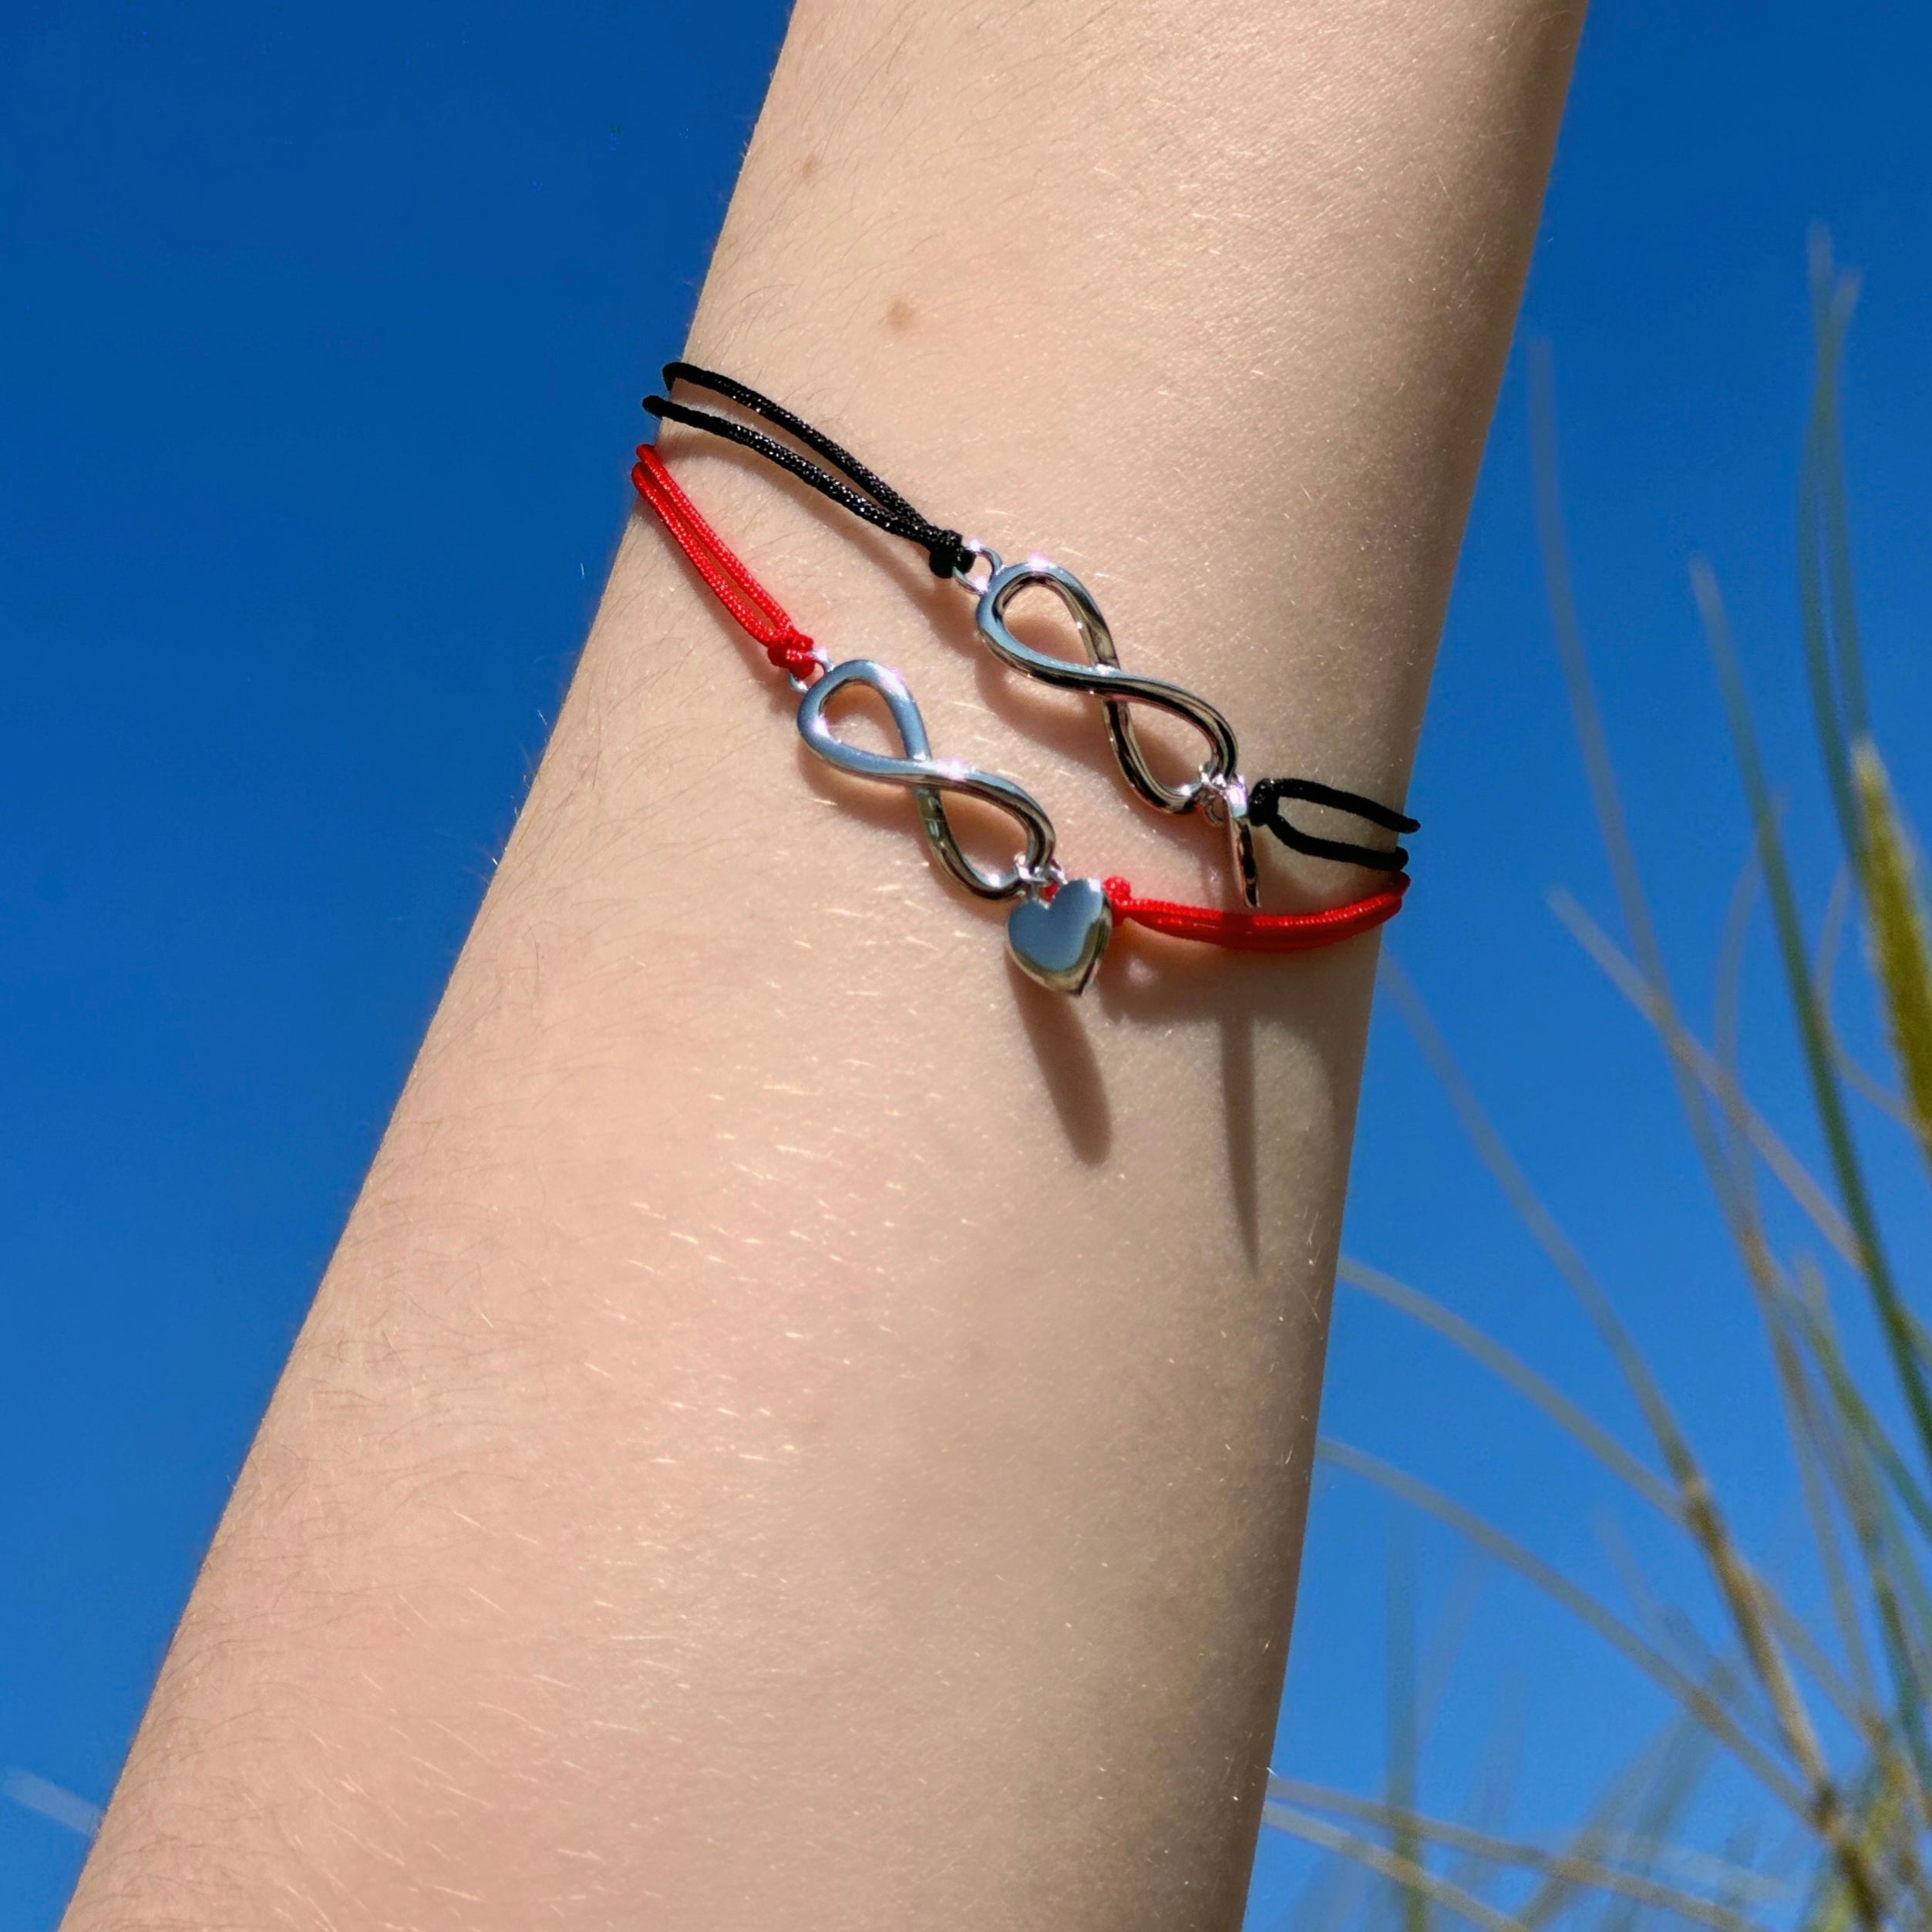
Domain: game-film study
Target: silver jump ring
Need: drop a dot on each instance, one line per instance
(1038, 878)
(976, 550)
(927, 778)
(1225, 804)
(801, 685)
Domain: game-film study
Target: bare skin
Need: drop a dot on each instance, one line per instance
(806, 1428)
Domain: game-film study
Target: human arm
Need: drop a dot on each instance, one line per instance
(802, 1428)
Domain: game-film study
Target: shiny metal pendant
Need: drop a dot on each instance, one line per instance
(1101, 677)
(928, 778)
(1060, 927)
(1218, 789)
(1058, 938)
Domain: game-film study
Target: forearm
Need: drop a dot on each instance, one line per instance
(803, 1427)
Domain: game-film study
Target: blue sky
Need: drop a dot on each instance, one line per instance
(323, 334)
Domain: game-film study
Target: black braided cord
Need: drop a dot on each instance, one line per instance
(880, 504)
(1266, 796)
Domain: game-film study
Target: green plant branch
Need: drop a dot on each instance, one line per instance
(1826, 1092)
(1678, 1683)
(1596, 1874)
(1391, 1865)
(1575, 1421)
(1796, 1179)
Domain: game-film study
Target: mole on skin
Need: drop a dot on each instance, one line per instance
(900, 316)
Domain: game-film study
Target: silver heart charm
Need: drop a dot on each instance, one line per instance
(1058, 941)
(1101, 677)
(926, 777)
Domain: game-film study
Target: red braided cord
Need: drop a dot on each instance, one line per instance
(764, 619)
(1258, 932)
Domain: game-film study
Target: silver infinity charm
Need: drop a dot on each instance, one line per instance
(1101, 677)
(927, 777)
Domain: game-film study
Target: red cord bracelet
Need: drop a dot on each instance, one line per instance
(767, 623)
(760, 613)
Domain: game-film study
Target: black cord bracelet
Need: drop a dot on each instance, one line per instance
(880, 504)
(1265, 797)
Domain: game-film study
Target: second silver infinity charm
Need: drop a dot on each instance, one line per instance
(1101, 677)
(1218, 789)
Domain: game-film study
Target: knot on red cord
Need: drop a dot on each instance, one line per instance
(760, 613)
(796, 655)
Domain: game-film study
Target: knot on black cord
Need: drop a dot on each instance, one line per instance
(1266, 795)
(946, 550)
